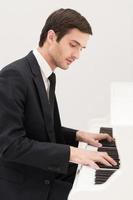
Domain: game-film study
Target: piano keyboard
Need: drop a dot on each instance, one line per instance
(105, 172)
(106, 183)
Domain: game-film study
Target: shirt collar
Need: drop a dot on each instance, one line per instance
(44, 67)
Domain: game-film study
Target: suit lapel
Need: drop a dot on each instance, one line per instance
(38, 80)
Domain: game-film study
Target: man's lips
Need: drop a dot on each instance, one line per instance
(69, 61)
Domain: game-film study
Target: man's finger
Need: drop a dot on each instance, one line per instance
(93, 165)
(109, 159)
(103, 136)
(95, 143)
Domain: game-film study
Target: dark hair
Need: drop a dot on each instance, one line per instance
(61, 21)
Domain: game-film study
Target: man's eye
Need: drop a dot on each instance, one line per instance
(72, 45)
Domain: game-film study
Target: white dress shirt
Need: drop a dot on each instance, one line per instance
(45, 69)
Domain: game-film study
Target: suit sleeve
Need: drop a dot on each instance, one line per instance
(15, 146)
(70, 136)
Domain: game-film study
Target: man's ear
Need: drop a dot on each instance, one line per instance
(51, 36)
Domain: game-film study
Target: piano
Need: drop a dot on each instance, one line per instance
(105, 172)
(107, 183)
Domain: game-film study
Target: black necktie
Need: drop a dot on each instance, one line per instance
(52, 80)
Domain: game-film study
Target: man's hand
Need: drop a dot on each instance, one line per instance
(90, 158)
(92, 138)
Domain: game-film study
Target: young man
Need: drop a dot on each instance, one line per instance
(38, 157)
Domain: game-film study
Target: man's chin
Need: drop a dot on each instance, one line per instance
(65, 67)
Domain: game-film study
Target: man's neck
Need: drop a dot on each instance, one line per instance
(47, 57)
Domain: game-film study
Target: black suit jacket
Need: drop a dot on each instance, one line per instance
(33, 150)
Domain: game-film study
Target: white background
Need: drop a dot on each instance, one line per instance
(83, 91)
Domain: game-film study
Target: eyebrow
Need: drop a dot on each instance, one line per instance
(78, 43)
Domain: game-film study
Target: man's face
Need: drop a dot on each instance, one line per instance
(64, 52)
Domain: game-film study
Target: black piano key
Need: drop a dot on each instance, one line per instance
(106, 143)
(102, 178)
(109, 167)
(104, 172)
(111, 150)
(107, 130)
(100, 182)
(103, 175)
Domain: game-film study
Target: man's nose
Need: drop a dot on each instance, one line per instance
(76, 54)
